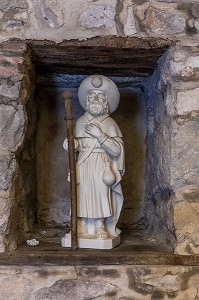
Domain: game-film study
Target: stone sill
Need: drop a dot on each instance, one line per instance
(54, 255)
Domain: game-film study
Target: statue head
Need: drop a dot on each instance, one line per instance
(98, 95)
(97, 103)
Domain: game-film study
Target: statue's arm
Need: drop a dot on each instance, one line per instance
(111, 145)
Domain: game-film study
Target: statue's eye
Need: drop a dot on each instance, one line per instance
(101, 96)
(91, 96)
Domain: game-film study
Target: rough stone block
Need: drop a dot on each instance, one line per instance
(164, 22)
(129, 26)
(15, 287)
(15, 17)
(11, 92)
(187, 101)
(12, 127)
(7, 168)
(185, 153)
(186, 216)
(98, 17)
(75, 289)
(185, 66)
(52, 13)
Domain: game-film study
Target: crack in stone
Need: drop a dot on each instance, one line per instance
(76, 271)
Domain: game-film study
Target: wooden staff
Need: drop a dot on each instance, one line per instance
(72, 164)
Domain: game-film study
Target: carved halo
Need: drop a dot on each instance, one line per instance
(102, 83)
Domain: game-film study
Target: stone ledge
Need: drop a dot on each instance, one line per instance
(55, 255)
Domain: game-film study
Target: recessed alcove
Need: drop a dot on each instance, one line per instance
(51, 161)
(148, 199)
(147, 218)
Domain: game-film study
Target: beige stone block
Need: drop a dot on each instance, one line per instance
(186, 216)
(185, 65)
(187, 101)
(14, 287)
(164, 22)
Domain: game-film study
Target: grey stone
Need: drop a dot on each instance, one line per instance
(10, 91)
(97, 17)
(53, 13)
(196, 24)
(195, 9)
(7, 167)
(6, 4)
(164, 22)
(14, 18)
(129, 26)
(185, 65)
(185, 153)
(12, 127)
(15, 287)
(187, 101)
(48, 15)
(75, 289)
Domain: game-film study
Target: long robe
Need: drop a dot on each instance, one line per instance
(95, 198)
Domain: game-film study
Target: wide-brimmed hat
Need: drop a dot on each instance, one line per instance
(101, 83)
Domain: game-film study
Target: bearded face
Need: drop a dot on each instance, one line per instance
(97, 103)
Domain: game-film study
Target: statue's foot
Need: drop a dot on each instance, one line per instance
(100, 232)
(82, 228)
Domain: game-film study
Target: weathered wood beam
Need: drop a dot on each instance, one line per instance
(107, 55)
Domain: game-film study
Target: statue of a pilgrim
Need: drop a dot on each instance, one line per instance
(100, 165)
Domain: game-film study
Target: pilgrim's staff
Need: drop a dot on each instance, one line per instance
(72, 164)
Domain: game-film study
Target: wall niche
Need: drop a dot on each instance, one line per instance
(147, 215)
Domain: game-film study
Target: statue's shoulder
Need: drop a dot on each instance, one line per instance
(111, 127)
(80, 120)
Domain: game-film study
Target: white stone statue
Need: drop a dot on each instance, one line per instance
(100, 165)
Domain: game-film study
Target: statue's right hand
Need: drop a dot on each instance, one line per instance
(65, 144)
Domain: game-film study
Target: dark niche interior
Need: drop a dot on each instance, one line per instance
(53, 189)
(146, 218)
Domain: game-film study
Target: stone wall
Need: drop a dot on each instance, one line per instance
(175, 151)
(175, 92)
(16, 131)
(100, 282)
(184, 111)
(63, 20)
(159, 194)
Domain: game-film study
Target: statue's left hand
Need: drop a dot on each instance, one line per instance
(93, 129)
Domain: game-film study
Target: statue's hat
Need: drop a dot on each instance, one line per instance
(101, 83)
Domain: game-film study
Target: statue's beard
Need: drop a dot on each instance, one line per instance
(96, 109)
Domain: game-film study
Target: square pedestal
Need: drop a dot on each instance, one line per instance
(92, 243)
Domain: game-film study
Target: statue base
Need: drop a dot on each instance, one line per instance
(92, 243)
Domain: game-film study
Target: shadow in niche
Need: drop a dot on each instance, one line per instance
(53, 191)
(51, 161)
(131, 118)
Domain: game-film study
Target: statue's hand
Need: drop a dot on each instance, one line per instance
(65, 144)
(93, 129)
